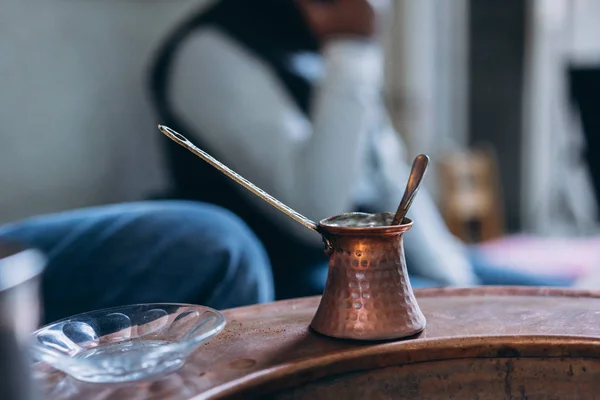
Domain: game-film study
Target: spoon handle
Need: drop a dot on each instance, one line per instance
(183, 141)
(417, 173)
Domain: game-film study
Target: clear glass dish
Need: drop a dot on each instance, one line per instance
(126, 343)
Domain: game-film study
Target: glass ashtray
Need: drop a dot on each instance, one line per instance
(126, 343)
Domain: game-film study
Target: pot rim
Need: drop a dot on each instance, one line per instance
(325, 226)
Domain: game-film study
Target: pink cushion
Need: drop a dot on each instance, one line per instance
(560, 257)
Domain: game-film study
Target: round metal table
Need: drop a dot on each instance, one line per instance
(479, 343)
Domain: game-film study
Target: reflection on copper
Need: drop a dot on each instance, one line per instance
(368, 295)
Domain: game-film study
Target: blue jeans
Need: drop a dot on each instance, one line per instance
(159, 251)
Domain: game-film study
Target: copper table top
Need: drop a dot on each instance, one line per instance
(271, 345)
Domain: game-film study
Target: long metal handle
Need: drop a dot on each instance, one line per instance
(417, 173)
(183, 141)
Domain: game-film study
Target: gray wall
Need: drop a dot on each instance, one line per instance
(76, 129)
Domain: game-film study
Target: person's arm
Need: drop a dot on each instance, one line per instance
(251, 123)
(431, 249)
(342, 115)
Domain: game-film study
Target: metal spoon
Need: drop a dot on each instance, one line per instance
(181, 140)
(417, 173)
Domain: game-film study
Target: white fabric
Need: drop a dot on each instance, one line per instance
(585, 32)
(347, 152)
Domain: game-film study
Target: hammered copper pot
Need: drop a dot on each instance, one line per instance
(368, 295)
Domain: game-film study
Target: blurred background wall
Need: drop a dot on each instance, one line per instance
(427, 76)
(556, 193)
(76, 128)
(467, 73)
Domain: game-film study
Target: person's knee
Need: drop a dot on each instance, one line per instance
(206, 225)
(248, 278)
(211, 240)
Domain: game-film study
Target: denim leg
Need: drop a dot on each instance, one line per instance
(161, 251)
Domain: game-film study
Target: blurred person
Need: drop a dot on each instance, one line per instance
(145, 252)
(287, 93)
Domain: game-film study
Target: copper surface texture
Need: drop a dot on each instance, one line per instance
(479, 343)
(368, 294)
